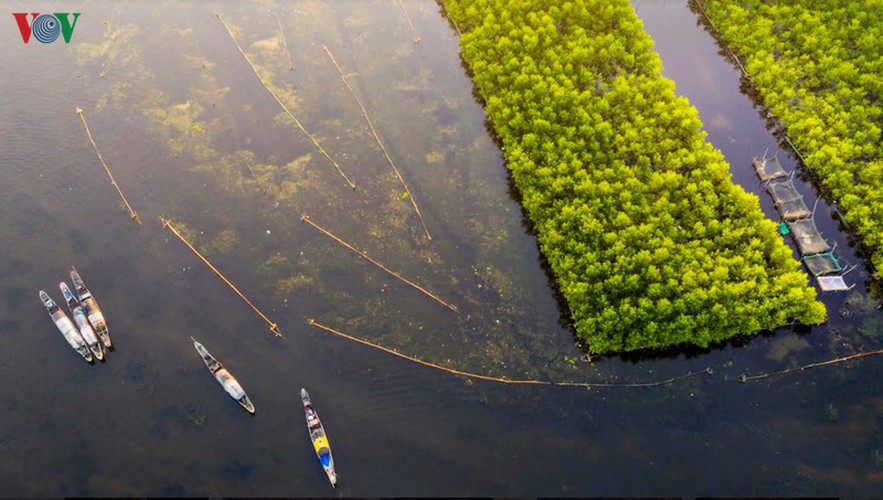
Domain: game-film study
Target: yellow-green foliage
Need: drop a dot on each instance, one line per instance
(651, 242)
(818, 65)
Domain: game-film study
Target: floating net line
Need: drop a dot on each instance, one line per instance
(417, 39)
(282, 104)
(746, 378)
(274, 328)
(306, 218)
(392, 164)
(132, 213)
(460, 373)
(282, 35)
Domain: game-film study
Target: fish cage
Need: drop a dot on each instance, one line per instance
(768, 169)
(807, 236)
(833, 284)
(822, 263)
(788, 201)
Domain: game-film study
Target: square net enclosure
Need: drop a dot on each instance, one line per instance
(768, 168)
(793, 210)
(806, 235)
(783, 192)
(832, 284)
(822, 263)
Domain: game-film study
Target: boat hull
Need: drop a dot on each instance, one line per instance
(93, 311)
(67, 328)
(231, 386)
(82, 322)
(319, 439)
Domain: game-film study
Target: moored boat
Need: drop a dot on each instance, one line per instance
(66, 327)
(93, 312)
(319, 439)
(82, 321)
(224, 377)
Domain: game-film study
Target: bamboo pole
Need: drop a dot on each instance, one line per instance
(416, 38)
(132, 213)
(266, 85)
(460, 373)
(746, 378)
(274, 328)
(379, 142)
(363, 255)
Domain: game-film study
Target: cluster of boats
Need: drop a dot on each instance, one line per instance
(87, 333)
(89, 336)
(315, 429)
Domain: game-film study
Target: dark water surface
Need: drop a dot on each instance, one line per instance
(191, 134)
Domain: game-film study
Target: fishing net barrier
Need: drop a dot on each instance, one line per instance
(306, 218)
(132, 213)
(274, 328)
(370, 122)
(287, 111)
(747, 378)
(489, 378)
(655, 383)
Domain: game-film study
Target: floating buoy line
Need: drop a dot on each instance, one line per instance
(282, 35)
(460, 373)
(306, 218)
(132, 213)
(282, 104)
(392, 164)
(747, 378)
(274, 328)
(417, 39)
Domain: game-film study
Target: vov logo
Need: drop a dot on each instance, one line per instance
(46, 27)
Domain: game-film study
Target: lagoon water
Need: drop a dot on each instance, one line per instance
(191, 134)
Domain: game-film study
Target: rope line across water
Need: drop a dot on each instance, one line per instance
(274, 328)
(306, 218)
(392, 164)
(746, 378)
(282, 104)
(460, 373)
(132, 213)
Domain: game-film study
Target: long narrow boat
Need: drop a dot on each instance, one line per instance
(227, 380)
(93, 312)
(82, 321)
(318, 438)
(66, 327)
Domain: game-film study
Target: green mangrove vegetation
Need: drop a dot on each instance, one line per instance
(651, 242)
(817, 64)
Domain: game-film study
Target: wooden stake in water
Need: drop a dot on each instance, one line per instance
(274, 328)
(416, 38)
(392, 164)
(132, 213)
(266, 85)
(363, 255)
